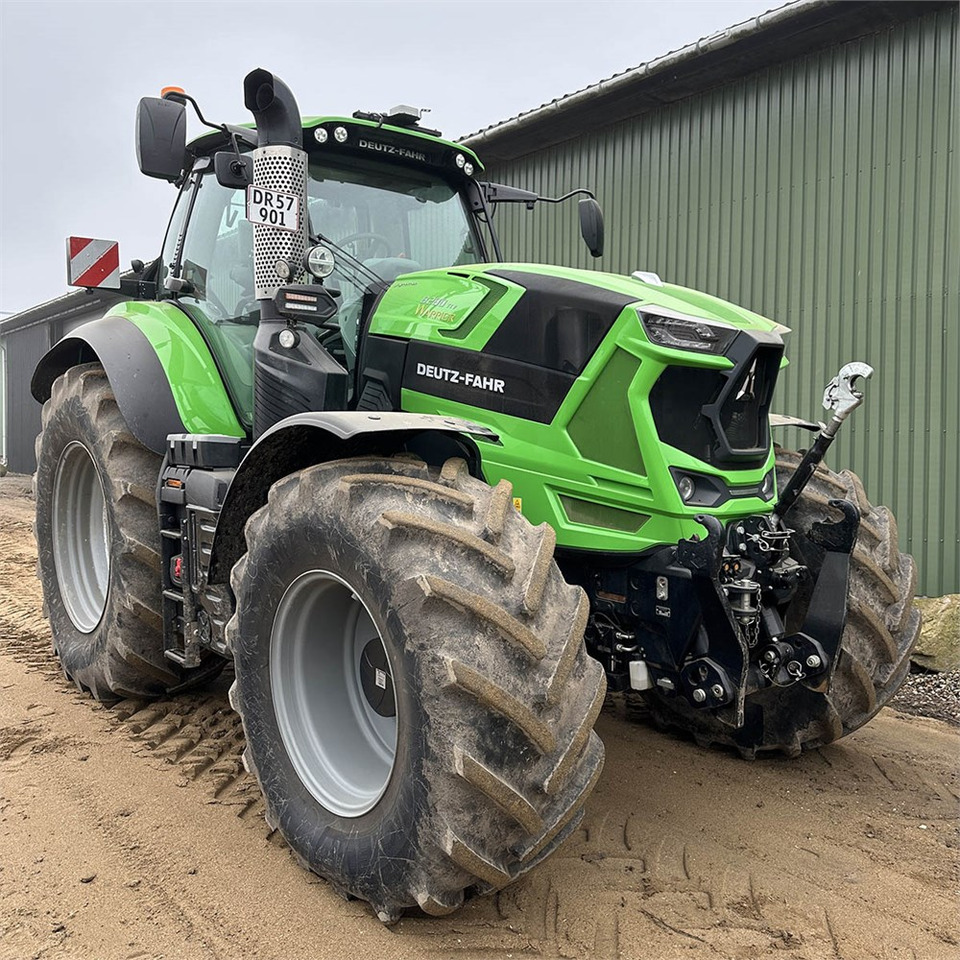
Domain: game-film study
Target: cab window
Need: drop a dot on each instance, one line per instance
(216, 262)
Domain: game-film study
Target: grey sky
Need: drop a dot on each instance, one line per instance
(71, 74)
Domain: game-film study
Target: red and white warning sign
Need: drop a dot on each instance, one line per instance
(93, 263)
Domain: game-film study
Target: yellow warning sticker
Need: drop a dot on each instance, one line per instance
(518, 503)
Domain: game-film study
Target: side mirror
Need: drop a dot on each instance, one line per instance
(161, 138)
(233, 171)
(591, 225)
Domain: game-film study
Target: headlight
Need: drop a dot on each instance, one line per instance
(702, 490)
(687, 489)
(687, 333)
(699, 490)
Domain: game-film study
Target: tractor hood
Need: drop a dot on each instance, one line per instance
(515, 337)
(631, 386)
(472, 306)
(669, 296)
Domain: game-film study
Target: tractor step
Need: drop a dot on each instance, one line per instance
(177, 657)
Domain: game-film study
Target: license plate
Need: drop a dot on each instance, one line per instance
(273, 208)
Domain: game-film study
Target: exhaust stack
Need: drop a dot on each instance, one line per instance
(274, 109)
(279, 164)
(292, 373)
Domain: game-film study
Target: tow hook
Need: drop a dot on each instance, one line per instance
(842, 397)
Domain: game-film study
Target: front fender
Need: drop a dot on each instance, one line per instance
(159, 367)
(306, 439)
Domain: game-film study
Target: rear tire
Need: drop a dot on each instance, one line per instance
(492, 753)
(882, 627)
(98, 542)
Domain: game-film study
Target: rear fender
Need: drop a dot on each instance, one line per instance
(159, 367)
(307, 439)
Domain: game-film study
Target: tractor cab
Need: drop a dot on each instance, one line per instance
(380, 208)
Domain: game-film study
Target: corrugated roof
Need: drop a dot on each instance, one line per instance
(776, 35)
(74, 301)
(653, 66)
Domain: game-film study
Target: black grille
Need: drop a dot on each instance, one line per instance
(677, 401)
(743, 414)
(720, 417)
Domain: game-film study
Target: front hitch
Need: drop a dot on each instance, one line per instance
(737, 574)
(810, 655)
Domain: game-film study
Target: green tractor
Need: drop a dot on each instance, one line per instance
(433, 505)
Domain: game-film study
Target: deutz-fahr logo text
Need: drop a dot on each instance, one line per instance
(480, 382)
(392, 150)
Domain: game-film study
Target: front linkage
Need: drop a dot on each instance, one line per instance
(752, 605)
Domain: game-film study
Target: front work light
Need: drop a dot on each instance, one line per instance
(318, 261)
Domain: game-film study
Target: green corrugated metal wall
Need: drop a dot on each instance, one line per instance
(822, 193)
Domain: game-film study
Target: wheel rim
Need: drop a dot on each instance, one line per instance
(333, 693)
(81, 537)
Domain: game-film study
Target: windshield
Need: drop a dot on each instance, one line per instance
(391, 213)
(393, 220)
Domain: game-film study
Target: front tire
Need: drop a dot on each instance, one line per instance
(882, 627)
(98, 542)
(416, 697)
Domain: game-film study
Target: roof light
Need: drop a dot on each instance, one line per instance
(468, 169)
(460, 160)
(320, 135)
(340, 134)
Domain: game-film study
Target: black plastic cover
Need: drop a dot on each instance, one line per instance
(207, 450)
(721, 416)
(557, 323)
(161, 138)
(292, 380)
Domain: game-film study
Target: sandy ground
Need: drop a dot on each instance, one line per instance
(133, 832)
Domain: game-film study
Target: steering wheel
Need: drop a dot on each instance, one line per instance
(375, 240)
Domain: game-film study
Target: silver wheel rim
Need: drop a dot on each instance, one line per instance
(321, 647)
(81, 537)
